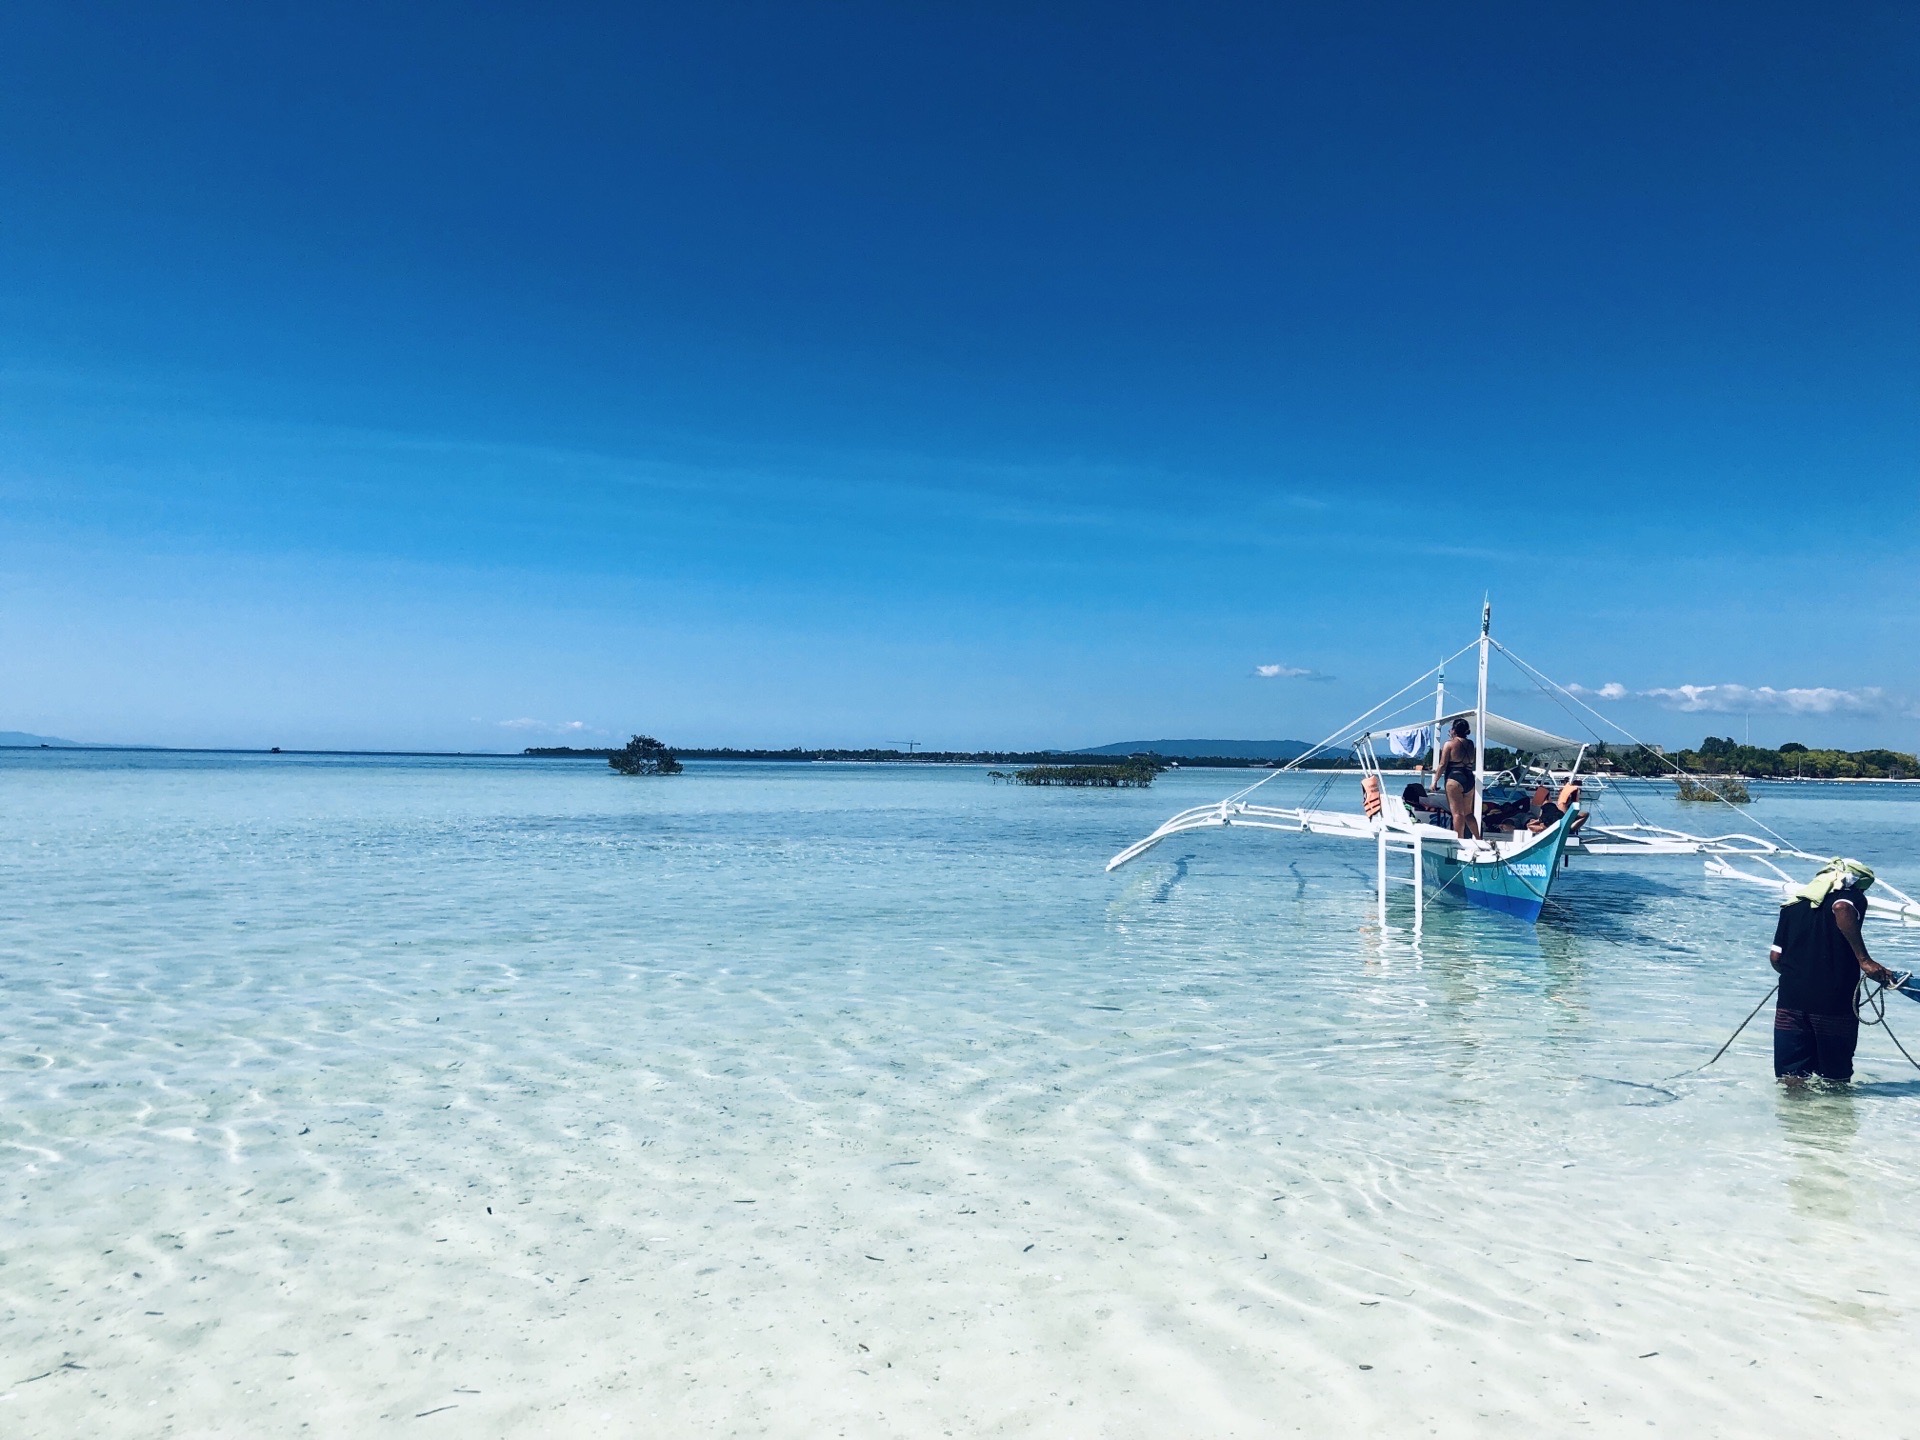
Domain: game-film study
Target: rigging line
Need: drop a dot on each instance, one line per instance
(1362, 719)
(1614, 785)
(1544, 679)
(1313, 750)
(1417, 702)
(1524, 668)
(1448, 884)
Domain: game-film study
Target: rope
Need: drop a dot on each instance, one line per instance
(1545, 680)
(1347, 728)
(1320, 791)
(1731, 1038)
(1547, 686)
(1896, 1042)
(1871, 1008)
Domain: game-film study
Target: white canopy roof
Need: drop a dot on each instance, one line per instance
(1512, 735)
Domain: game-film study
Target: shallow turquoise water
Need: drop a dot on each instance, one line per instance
(824, 1099)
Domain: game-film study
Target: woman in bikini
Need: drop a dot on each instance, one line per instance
(1457, 761)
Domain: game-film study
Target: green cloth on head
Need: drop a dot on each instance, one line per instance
(1836, 873)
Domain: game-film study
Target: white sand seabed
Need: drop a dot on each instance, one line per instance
(763, 1115)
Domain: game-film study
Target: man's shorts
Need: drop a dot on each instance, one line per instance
(1808, 1044)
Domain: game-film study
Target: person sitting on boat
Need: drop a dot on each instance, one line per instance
(1547, 811)
(1458, 759)
(1423, 804)
(1818, 950)
(1510, 816)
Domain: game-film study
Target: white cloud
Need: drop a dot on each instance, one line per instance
(1288, 672)
(1749, 699)
(565, 727)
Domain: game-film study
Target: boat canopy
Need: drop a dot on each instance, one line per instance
(1512, 735)
(1410, 741)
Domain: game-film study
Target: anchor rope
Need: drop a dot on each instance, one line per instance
(1874, 1004)
(1869, 1007)
(1731, 1038)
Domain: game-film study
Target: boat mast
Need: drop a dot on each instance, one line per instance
(1480, 721)
(1439, 713)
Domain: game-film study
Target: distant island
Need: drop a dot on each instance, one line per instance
(21, 740)
(1714, 756)
(800, 753)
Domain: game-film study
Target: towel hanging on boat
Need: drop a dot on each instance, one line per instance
(1414, 740)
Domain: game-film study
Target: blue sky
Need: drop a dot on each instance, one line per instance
(472, 375)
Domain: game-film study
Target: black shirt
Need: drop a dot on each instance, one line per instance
(1818, 968)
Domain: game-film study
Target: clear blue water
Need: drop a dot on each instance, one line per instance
(831, 1099)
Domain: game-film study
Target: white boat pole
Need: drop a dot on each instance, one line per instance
(1480, 722)
(1439, 740)
(1380, 842)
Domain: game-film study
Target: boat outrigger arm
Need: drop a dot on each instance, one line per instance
(1510, 872)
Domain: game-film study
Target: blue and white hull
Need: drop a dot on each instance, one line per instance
(1511, 877)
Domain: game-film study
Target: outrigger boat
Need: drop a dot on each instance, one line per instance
(1511, 871)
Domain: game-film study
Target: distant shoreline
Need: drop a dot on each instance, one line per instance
(730, 757)
(81, 749)
(832, 757)
(1745, 779)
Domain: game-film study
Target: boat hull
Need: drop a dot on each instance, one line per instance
(1515, 885)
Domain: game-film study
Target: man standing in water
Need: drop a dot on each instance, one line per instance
(1819, 952)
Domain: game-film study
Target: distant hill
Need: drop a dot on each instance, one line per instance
(21, 737)
(1196, 749)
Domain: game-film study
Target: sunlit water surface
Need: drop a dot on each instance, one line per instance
(516, 1098)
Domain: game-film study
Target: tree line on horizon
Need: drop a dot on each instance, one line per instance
(1722, 755)
(1715, 755)
(929, 757)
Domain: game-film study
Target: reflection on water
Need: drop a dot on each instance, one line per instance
(798, 1100)
(1818, 1125)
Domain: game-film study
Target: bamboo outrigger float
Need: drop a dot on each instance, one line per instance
(1511, 872)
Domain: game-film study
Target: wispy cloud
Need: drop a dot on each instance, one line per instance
(549, 727)
(1750, 699)
(1288, 672)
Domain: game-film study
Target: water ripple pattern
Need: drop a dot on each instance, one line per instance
(514, 1098)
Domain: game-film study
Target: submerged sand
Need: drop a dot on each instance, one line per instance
(508, 1101)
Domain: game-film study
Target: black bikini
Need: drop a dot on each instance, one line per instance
(1459, 772)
